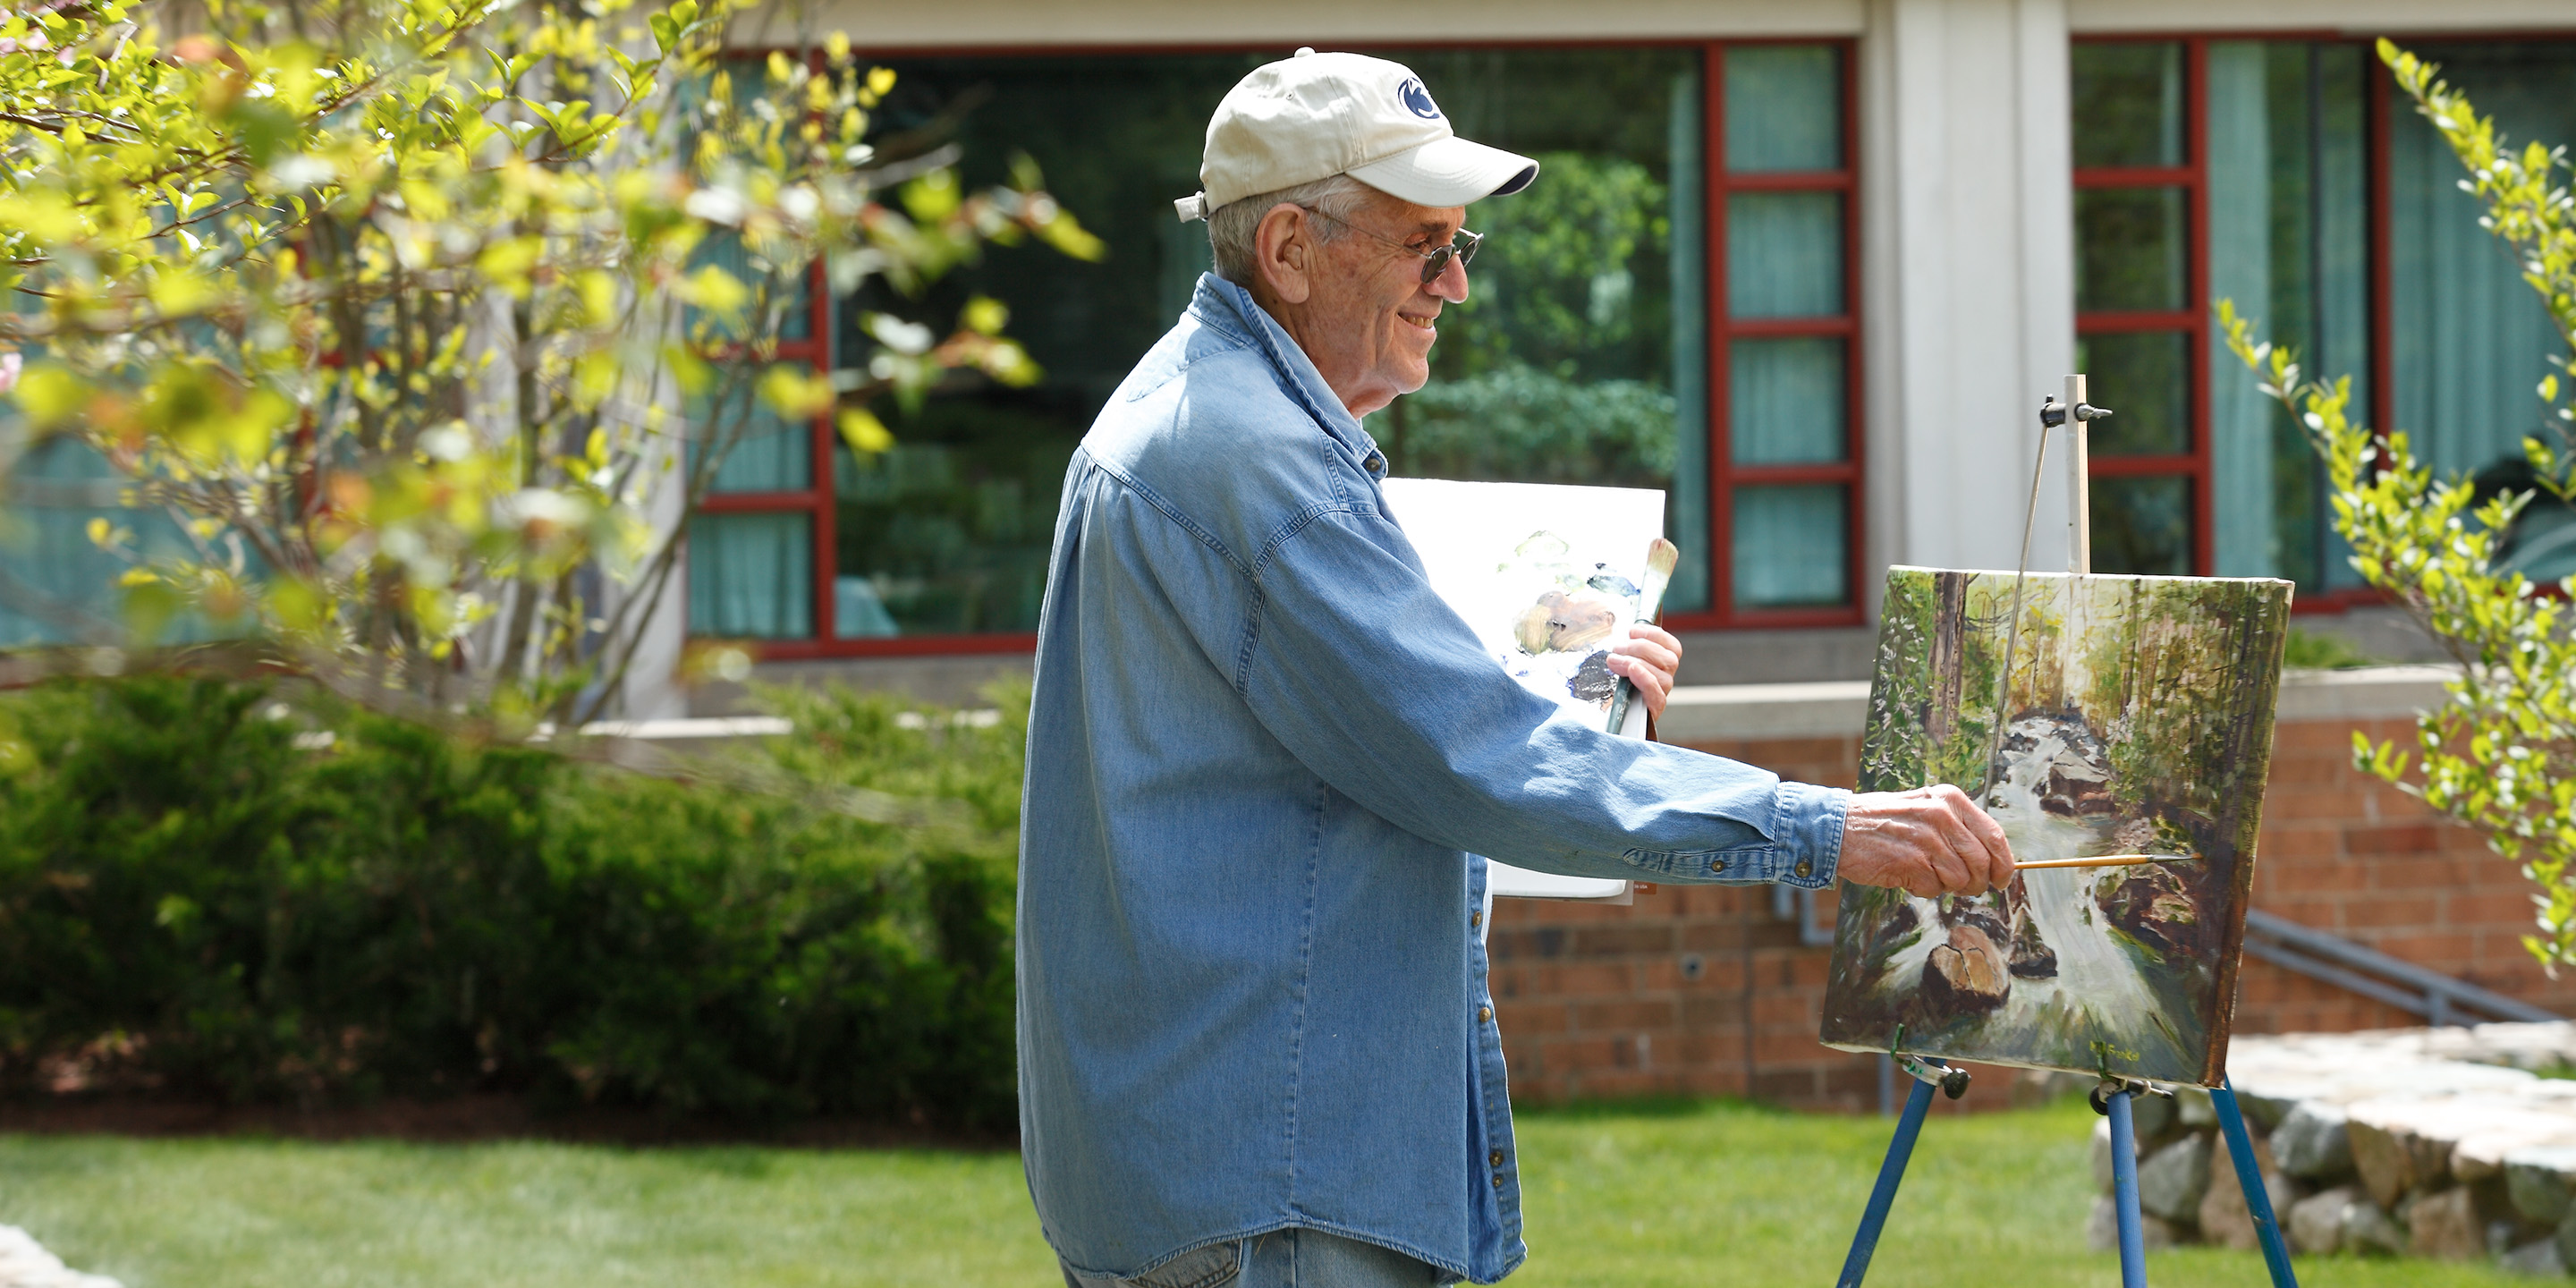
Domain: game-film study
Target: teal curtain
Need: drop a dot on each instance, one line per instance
(1784, 108)
(1784, 254)
(56, 585)
(1791, 545)
(2288, 244)
(1787, 400)
(771, 455)
(751, 576)
(2240, 268)
(859, 612)
(1686, 506)
(725, 250)
(2471, 338)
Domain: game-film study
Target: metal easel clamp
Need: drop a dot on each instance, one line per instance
(2052, 413)
(1931, 1073)
(2100, 1096)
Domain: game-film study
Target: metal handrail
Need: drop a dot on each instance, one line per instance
(2439, 998)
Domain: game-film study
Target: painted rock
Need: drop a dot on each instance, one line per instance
(1966, 974)
(1562, 623)
(1593, 681)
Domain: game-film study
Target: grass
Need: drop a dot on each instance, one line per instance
(1627, 1195)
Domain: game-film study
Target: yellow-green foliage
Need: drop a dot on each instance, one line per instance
(389, 302)
(2501, 755)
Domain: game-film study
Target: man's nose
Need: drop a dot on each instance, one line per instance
(1451, 285)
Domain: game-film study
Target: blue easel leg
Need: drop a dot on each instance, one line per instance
(2249, 1174)
(1918, 1102)
(2124, 1194)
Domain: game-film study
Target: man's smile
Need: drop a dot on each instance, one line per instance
(1424, 321)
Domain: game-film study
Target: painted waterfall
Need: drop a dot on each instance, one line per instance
(2138, 720)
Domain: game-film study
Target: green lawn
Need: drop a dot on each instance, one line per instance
(1702, 1194)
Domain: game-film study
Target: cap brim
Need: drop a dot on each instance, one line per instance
(1448, 172)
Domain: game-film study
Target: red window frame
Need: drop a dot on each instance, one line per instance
(816, 499)
(1723, 329)
(819, 500)
(2379, 103)
(2192, 320)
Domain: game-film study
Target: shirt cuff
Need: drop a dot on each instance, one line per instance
(1807, 833)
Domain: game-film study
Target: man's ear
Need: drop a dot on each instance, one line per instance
(1283, 253)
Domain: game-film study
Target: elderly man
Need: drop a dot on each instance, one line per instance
(1255, 1043)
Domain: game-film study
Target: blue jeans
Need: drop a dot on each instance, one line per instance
(1279, 1259)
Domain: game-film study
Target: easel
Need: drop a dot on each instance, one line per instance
(2113, 1096)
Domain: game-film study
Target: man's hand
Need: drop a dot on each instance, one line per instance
(1650, 657)
(1929, 841)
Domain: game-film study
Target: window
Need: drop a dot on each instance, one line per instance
(1786, 468)
(1587, 353)
(2140, 334)
(2289, 177)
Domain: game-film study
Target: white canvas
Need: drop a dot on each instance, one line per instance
(1539, 564)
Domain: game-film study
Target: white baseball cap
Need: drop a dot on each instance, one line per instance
(1318, 115)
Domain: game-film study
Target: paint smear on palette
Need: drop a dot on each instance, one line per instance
(2138, 720)
(1546, 574)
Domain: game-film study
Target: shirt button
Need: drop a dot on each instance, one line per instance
(1376, 463)
(1475, 919)
(1717, 865)
(1805, 868)
(1498, 1180)
(1495, 1159)
(1484, 1013)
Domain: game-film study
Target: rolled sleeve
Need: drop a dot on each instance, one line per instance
(1807, 833)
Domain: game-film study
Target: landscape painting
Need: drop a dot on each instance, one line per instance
(2137, 721)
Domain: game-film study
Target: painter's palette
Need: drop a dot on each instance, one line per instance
(1548, 576)
(2138, 721)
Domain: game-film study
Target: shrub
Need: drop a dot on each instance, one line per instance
(201, 892)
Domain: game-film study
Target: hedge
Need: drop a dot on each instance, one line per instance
(244, 891)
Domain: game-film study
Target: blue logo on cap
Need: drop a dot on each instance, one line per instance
(1417, 100)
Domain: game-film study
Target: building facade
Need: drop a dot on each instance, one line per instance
(1808, 268)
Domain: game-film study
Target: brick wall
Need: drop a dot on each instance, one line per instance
(1602, 1001)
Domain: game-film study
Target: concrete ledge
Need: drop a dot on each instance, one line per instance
(1720, 712)
(1702, 713)
(2369, 693)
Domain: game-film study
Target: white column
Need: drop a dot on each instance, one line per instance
(1968, 272)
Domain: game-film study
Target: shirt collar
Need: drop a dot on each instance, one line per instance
(1230, 307)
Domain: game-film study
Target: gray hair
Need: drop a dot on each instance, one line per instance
(1232, 226)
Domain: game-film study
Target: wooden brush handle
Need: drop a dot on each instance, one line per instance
(2108, 861)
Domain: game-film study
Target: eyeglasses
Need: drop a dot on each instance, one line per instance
(1435, 261)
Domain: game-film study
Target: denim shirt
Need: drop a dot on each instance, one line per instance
(1263, 757)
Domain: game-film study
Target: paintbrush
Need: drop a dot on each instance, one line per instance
(2106, 861)
(1661, 555)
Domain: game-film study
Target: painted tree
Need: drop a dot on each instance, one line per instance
(393, 308)
(2500, 756)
